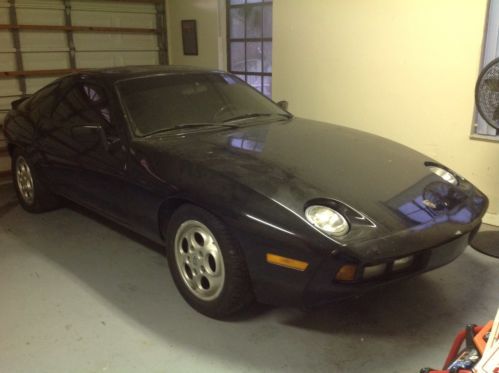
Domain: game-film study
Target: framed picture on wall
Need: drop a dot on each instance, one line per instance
(189, 37)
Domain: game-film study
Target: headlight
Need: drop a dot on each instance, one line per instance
(444, 174)
(327, 220)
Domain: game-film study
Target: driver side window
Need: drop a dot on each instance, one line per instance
(83, 104)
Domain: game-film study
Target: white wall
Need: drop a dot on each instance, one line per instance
(405, 70)
(210, 17)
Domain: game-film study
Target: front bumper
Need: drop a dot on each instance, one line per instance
(323, 288)
(317, 285)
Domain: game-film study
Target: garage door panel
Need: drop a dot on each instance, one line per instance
(140, 58)
(5, 105)
(5, 36)
(7, 62)
(112, 7)
(4, 11)
(38, 4)
(105, 59)
(114, 19)
(3, 142)
(86, 42)
(98, 59)
(33, 16)
(43, 40)
(4, 164)
(40, 61)
(35, 83)
(9, 87)
(6, 44)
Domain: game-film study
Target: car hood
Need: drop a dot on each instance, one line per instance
(295, 161)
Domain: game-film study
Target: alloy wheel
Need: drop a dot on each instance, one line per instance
(199, 260)
(24, 180)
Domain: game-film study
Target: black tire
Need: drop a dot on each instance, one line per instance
(42, 198)
(236, 293)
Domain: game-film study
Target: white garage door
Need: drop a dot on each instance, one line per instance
(41, 40)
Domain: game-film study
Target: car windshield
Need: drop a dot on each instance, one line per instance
(191, 100)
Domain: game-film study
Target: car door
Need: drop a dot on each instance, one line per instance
(56, 145)
(101, 159)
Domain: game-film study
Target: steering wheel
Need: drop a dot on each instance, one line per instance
(223, 110)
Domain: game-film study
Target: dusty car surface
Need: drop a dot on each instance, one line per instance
(249, 201)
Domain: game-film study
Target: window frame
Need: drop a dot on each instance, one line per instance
(247, 6)
(78, 84)
(132, 127)
(484, 62)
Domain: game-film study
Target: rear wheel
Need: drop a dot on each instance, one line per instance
(32, 194)
(206, 263)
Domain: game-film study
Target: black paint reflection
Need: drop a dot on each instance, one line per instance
(437, 202)
(251, 140)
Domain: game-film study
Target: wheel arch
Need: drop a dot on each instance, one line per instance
(166, 210)
(169, 206)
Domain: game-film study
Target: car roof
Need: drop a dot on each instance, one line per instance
(113, 74)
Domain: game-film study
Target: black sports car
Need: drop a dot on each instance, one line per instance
(249, 201)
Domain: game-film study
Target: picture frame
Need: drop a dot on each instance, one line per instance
(189, 37)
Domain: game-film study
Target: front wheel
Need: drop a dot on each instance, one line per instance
(206, 263)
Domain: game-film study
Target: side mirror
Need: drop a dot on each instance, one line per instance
(283, 105)
(90, 135)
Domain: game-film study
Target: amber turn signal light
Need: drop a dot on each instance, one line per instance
(346, 272)
(286, 262)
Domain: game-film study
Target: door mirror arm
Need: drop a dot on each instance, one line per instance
(92, 133)
(112, 143)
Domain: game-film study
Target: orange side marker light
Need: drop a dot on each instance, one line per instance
(287, 262)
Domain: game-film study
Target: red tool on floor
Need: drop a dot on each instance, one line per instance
(458, 357)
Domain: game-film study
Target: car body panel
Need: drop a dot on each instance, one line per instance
(344, 169)
(258, 179)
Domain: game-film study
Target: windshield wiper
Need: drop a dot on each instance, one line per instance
(225, 123)
(204, 124)
(191, 125)
(256, 115)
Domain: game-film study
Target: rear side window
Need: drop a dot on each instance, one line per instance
(41, 104)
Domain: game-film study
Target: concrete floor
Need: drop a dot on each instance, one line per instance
(78, 294)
